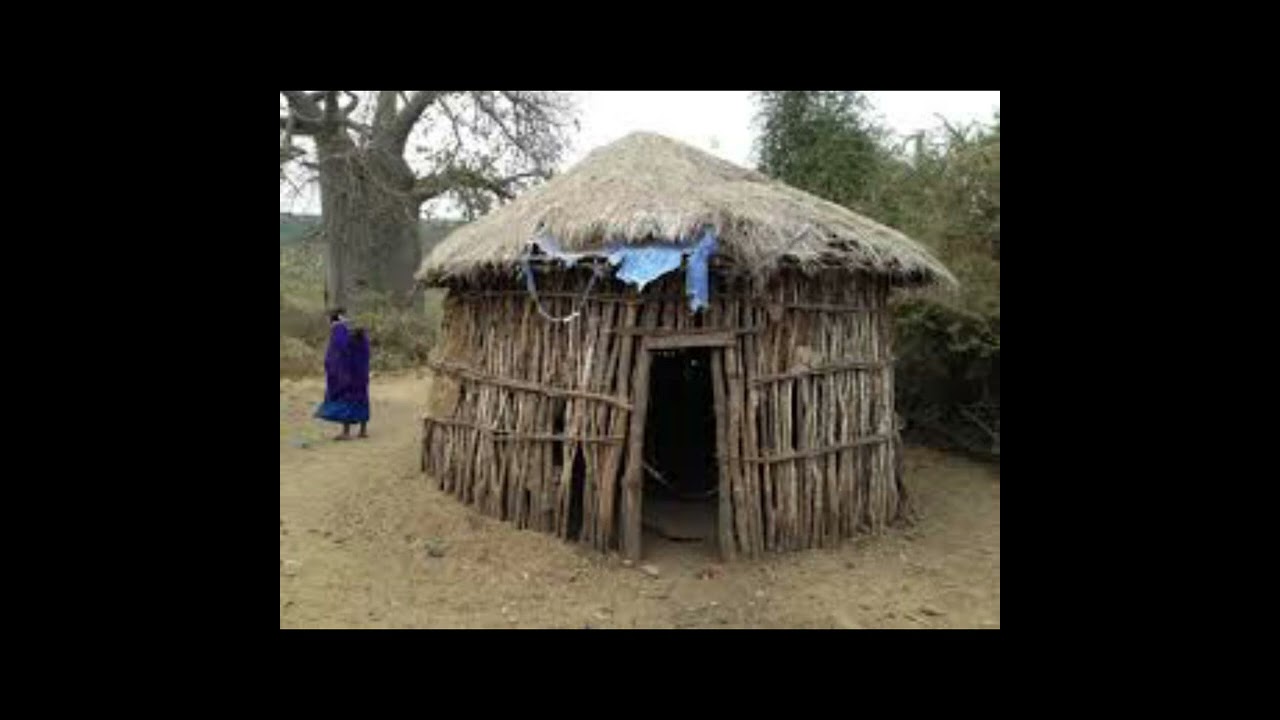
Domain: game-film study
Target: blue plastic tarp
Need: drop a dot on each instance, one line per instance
(640, 265)
(697, 278)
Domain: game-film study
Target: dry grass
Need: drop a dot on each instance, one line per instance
(648, 186)
(401, 337)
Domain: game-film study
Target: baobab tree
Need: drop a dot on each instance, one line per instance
(379, 155)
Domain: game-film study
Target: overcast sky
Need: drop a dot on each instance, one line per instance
(722, 122)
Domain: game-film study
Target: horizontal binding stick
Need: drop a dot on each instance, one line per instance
(821, 370)
(501, 435)
(668, 332)
(784, 457)
(639, 298)
(469, 374)
(452, 421)
(828, 308)
(687, 340)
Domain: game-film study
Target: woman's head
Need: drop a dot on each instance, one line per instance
(337, 315)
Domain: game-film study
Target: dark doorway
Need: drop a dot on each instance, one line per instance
(681, 477)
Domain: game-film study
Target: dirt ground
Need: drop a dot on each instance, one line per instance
(366, 541)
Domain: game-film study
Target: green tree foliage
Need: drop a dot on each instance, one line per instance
(942, 189)
(823, 142)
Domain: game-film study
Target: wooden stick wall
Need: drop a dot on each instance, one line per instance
(535, 422)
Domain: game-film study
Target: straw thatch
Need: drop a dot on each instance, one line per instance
(646, 187)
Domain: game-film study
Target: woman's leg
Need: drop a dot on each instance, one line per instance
(346, 432)
(364, 433)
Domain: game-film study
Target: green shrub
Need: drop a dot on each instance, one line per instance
(310, 326)
(941, 188)
(399, 338)
(947, 382)
(298, 359)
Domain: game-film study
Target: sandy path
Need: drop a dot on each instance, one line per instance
(359, 525)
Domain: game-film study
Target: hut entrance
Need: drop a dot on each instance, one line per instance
(673, 484)
(681, 478)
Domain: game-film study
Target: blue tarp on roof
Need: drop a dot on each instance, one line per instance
(640, 265)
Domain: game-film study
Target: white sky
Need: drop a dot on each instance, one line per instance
(722, 122)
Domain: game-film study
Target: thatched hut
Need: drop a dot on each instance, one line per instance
(658, 325)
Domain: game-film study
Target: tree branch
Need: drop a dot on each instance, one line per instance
(528, 112)
(409, 114)
(463, 178)
(301, 126)
(331, 110)
(490, 110)
(361, 129)
(350, 108)
(308, 118)
(994, 434)
(454, 127)
(384, 114)
(289, 152)
(305, 105)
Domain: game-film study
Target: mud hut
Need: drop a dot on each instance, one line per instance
(660, 333)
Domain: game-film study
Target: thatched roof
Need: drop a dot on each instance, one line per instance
(646, 187)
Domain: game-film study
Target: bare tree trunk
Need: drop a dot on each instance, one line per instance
(370, 225)
(370, 197)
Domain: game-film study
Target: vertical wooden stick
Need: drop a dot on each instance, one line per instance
(725, 522)
(631, 485)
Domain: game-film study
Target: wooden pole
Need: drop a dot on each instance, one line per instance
(724, 525)
(631, 485)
